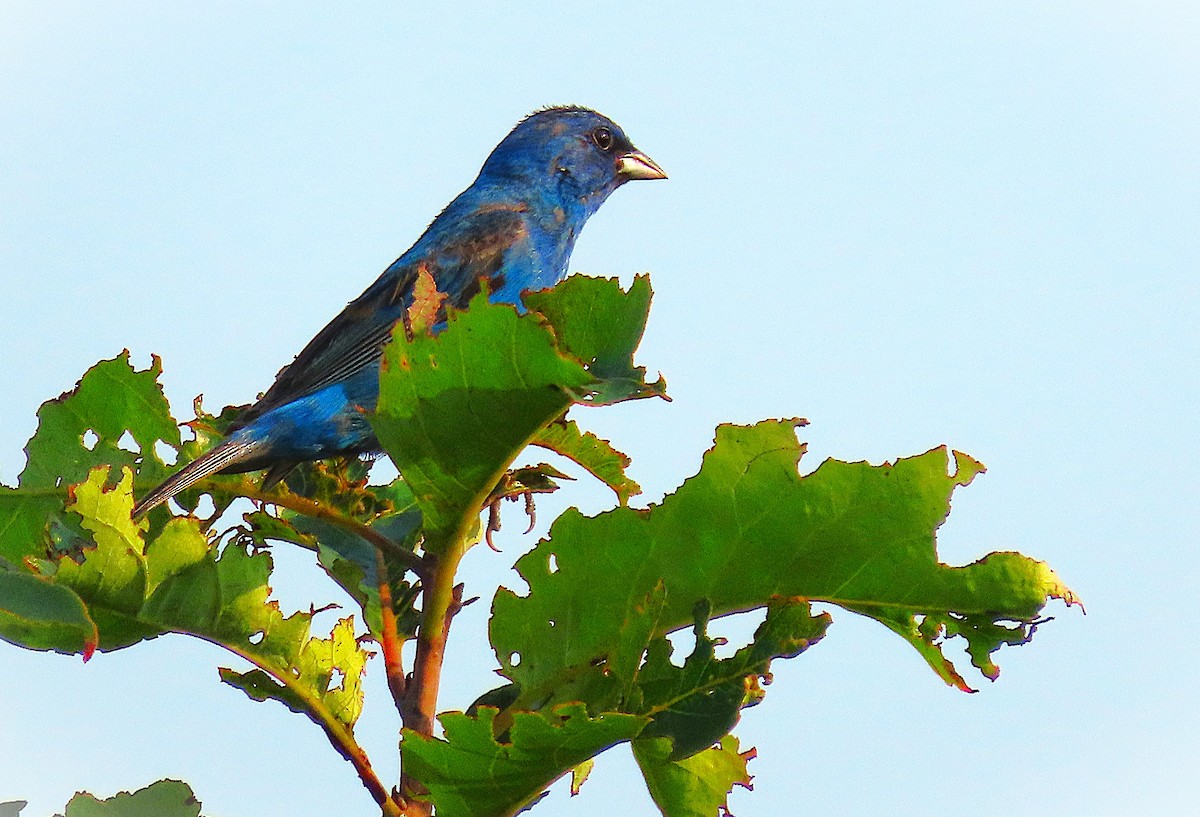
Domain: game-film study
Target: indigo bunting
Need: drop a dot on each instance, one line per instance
(514, 227)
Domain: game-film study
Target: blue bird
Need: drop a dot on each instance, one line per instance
(514, 227)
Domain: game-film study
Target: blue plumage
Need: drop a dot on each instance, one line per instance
(515, 226)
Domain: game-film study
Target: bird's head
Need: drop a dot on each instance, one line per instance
(572, 156)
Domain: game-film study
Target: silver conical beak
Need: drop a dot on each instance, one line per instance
(637, 165)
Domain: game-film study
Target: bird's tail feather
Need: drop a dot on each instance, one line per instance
(228, 453)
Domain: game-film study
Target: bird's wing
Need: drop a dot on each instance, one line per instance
(485, 244)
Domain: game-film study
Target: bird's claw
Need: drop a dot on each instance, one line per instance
(493, 521)
(530, 511)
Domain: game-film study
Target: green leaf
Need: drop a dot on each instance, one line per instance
(42, 616)
(746, 529)
(697, 704)
(601, 325)
(324, 674)
(102, 580)
(24, 517)
(111, 576)
(327, 678)
(78, 431)
(457, 407)
(598, 456)
(341, 484)
(110, 399)
(348, 558)
(178, 583)
(166, 798)
(351, 563)
(470, 774)
(698, 786)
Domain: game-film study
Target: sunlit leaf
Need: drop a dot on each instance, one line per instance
(746, 529)
(113, 407)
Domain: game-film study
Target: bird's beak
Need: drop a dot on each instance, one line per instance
(637, 165)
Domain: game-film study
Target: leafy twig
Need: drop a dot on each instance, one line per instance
(339, 735)
(315, 510)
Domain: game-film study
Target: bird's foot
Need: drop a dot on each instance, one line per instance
(493, 521)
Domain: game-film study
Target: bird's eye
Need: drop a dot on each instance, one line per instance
(603, 138)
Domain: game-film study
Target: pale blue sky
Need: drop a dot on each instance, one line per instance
(974, 224)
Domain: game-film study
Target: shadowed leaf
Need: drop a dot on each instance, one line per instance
(42, 616)
(166, 798)
(698, 786)
(601, 326)
(598, 456)
(457, 407)
(470, 774)
(697, 704)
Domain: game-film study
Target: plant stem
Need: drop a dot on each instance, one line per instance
(440, 600)
(389, 639)
(340, 736)
(349, 749)
(315, 510)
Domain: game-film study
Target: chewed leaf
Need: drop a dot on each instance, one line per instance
(601, 325)
(111, 399)
(327, 678)
(471, 774)
(698, 786)
(748, 528)
(697, 704)
(457, 407)
(132, 590)
(86, 427)
(427, 303)
(598, 456)
(42, 616)
(166, 798)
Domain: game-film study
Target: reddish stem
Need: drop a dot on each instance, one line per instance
(390, 639)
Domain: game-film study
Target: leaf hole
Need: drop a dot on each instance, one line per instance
(731, 633)
(257, 638)
(128, 443)
(336, 678)
(205, 507)
(553, 623)
(90, 438)
(165, 452)
(514, 659)
(383, 471)
(552, 563)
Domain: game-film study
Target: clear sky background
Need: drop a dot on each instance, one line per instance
(964, 223)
